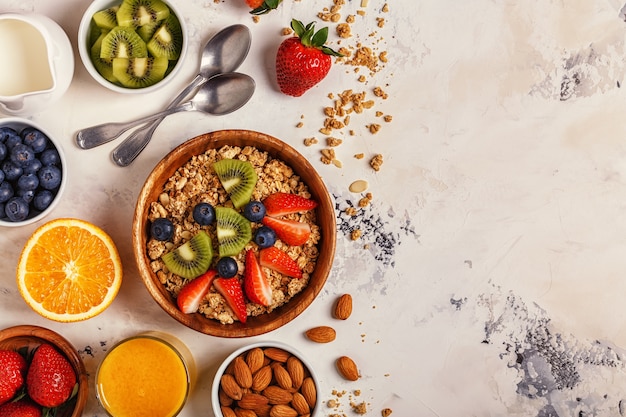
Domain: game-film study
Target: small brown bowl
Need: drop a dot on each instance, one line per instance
(30, 337)
(325, 214)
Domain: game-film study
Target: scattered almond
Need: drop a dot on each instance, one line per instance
(242, 373)
(230, 387)
(343, 308)
(347, 368)
(281, 410)
(321, 334)
(358, 186)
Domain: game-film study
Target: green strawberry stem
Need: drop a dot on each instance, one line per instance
(310, 38)
(266, 7)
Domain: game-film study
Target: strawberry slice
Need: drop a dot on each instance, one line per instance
(279, 261)
(230, 288)
(279, 204)
(194, 291)
(289, 231)
(255, 282)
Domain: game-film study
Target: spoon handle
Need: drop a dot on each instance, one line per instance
(130, 148)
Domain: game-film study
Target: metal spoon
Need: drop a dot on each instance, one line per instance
(222, 94)
(224, 52)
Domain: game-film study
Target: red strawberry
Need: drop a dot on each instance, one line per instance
(279, 261)
(21, 408)
(289, 231)
(279, 204)
(303, 61)
(262, 6)
(12, 374)
(255, 282)
(50, 379)
(194, 291)
(230, 288)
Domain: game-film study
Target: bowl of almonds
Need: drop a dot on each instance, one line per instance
(265, 379)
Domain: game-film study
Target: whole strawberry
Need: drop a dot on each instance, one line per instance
(302, 61)
(12, 374)
(50, 379)
(21, 408)
(260, 7)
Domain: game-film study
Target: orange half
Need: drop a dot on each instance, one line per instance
(69, 270)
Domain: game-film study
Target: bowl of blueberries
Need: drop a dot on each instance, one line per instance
(32, 166)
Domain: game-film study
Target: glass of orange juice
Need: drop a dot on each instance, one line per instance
(150, 374)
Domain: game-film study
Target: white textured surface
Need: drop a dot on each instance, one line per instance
(493, 283)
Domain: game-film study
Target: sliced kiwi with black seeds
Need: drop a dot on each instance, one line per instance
(107, 18)
(238, 179)
(139, 72)
(104, 66)
(135, 13)
(123, 42)
(233, 231)
(147, 31)
(167, 40)
(192, 258)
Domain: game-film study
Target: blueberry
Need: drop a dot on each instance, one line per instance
(33, 167)
(16, 209)
(204, 214)
(22, 155)
(6, 191)
(162, 229)
(28, 182)
(43, 199)
(3, 151)
(50, 157)
(11, 171)
(254, 211)
(227, 267)
(26, 195)
(264, 237)
(9, 136)
(35, 139)
(49, 177)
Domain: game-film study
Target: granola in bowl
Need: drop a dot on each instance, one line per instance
(185, 178)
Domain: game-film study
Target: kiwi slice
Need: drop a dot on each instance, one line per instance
(107, 18)
(167, 40)
(135, 13)
(147, 31)
(104, 66)
(123, 42)
(192, 258)
(139, 72)
(233, 231)
(238, 179)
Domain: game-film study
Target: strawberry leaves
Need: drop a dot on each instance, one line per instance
(312, 39)
(266, 7)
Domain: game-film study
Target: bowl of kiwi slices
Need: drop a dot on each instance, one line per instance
(132, 46)
(234, 233)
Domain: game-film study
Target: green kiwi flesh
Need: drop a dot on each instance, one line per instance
(136, 13)
(233, 231)
(123, 42)
(103, 65)
(192, 258)
(238, 179)
(167, 40)
(139, 72)
(107, 18)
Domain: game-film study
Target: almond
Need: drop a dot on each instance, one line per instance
(277, 395)
(309, 391)
(254, 359)
(242, 373)
(343, 307)
(300, 404)
(296, 371)
(228, 412)
(263, 411)
(262, 378)
(321, 334)
(281, 410)
(252, 401)
(242, 412)
(230, 387)
(281, 376)
(277, 354)
(224, 399)
(347, 368)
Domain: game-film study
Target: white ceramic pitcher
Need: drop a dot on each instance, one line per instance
(37, 63)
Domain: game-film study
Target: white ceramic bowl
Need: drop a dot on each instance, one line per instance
(19, 124)
(83, 48)
(309, 371)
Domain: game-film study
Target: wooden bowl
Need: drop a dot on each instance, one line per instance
(325, 219)
(30, 337)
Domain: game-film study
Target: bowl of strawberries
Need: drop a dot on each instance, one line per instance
(40, 372)
(234, 233)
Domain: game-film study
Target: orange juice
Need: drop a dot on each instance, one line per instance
(143, 376)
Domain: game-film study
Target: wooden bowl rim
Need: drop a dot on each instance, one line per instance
(276, 148)
(33, 336)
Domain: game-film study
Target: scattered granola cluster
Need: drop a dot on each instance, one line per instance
(356, 405)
